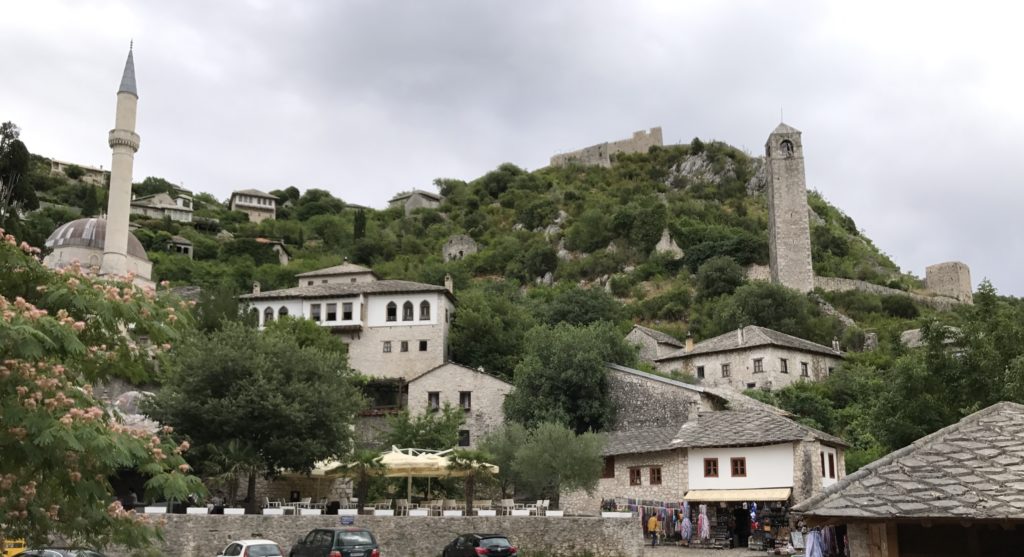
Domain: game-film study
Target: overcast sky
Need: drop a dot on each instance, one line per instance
(912, 112)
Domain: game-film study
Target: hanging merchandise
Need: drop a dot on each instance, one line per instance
(687, 527)
(703, 526)
(815, 544)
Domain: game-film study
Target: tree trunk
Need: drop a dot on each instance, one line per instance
(250, 494)
(470, 492)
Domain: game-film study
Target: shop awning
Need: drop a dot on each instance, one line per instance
(735, 495)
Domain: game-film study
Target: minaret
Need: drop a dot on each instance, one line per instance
(789, 232)
(124, 142)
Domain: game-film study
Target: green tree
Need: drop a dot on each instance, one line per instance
(568, 303)
(472, 466)
(15, 193)
(719, 275)
(359, 225)
(364, 467)
(501, 445)
(91, 205)
(489, 328)
(258, 388)
(61, 333)
(437, 430)
(556, 459)
(562, 376)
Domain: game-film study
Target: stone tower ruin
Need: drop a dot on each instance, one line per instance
(789, 232)
(951, 279)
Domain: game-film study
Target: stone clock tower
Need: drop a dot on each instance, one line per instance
(789, 232)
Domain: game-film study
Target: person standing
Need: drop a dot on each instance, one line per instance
(652, 528)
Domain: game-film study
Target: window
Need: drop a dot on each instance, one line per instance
(758, 365)
(739, 467)
(700, 372)
(804, 370)
(751, 385)
(822, 464)
(463, 437)
(424, 311)
(634, 477)
(332, 312)
(314, 312)
(423, 346)
(407, 311)
(466, 400)
(433, 401)
(783, 365)
(446, 316)
(655, 475)
(609, 467)
(346, 311)
(268, 315)
(830, 370)
(392, 312)
(282, 312)
(725, 370)
(352, 279)
(309, 283)
(710, 467)
(233, 549)
(387, 346)
(831, 465)
(404, 346)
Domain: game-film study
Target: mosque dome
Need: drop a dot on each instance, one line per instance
(90, 233)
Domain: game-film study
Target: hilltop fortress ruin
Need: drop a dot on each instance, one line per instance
(789, 232)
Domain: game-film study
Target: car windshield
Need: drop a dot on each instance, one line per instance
(494, 542)
(263, 550)
(355, 538)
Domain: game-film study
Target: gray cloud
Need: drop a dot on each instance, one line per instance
(910, 113)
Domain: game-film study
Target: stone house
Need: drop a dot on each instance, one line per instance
(180, 245)
(653, 344)
(176, 206)
(458, 247)
(753, 357)
(259, 205)
(480, 395)
(416, 199)
(675, 442)
(394, 329)
(96, 176)
(957, 492)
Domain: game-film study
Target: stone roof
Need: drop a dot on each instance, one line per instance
(128, 77)
(640, 441)
(785, 128)
(347, 289)
(180, 240)
(659, 336)
(730, 428)
(654, 377)
(467, 368)
(254, 193)
(752, 336)
(973, 469)
(159, 201)
(343, 269)
(408, 194)
(90, 233)
(740, 401)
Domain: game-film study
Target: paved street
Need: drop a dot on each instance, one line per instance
(675, 551)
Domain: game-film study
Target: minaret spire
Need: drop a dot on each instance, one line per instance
(124, 142)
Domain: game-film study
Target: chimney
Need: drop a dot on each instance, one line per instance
(739, 336)
(693, 411)
(255, 287)
(835, 344)
(689, 342)
(449, 284)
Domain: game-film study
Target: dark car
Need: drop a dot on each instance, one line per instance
(337, 542)
(472, 545)
(61, 552)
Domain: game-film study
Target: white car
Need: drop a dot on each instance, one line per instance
(251, 548)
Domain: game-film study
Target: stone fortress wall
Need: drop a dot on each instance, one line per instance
(600, 154)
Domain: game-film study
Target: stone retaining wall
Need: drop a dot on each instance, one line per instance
(836, 284)
(206, 535)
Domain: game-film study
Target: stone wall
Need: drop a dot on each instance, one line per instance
(601, 153)
(202, 536)
(674, 482)
(459, 246)
(836, 284)
(741, 367)
(367, 353)
(487, 396)
(646, 402)
(951, 279)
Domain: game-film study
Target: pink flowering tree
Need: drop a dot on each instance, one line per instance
(60, 333)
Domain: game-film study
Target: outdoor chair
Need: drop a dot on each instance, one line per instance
(451, 505)
(321, 504)
(401, 507)
(534, 508)
(304, 503)
(507, 505)
(268, 504)
(383, 504)
(482, 504)
(435, 506)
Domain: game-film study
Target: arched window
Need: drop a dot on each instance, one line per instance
(392, 312)
(787, 148)
(407, 311)
(268, 315)
(283, 312)
(424, 311)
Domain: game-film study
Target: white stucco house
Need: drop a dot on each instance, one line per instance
(394, 329)
(259, 205)
(752, 357)
(176, 206)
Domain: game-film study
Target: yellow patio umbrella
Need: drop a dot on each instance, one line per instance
(423, 463)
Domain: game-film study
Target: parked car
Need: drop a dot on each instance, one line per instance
(252, 548)
(337, 542)
(61, 552)
(472, 545)
(13, 547)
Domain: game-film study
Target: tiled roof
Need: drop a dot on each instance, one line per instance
(346, 289)
(752, 336)
(730, 428)
(640, 441)
(973, 469)
(467, 368)
(343, 269)
(659, 336)
(740, 401)
(254, 193)
(653, 377)
(405, 195)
